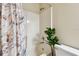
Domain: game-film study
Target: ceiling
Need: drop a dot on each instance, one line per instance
(36, 7)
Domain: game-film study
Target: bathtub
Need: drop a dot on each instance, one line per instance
(63, 50)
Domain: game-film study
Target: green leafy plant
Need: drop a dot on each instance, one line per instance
(52, 39)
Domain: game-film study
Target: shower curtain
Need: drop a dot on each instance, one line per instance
(12, 30)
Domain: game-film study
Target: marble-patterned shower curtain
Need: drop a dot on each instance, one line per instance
(12, 29)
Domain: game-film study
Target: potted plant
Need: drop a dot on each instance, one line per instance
(52, 39)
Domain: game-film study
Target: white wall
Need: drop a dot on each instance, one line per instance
(32, 31)
(66, 21)
(38, 21)
(32, 15)
(45, 21)
(66, 17)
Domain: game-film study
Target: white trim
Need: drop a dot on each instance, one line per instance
(68, 49)
(51, 16)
